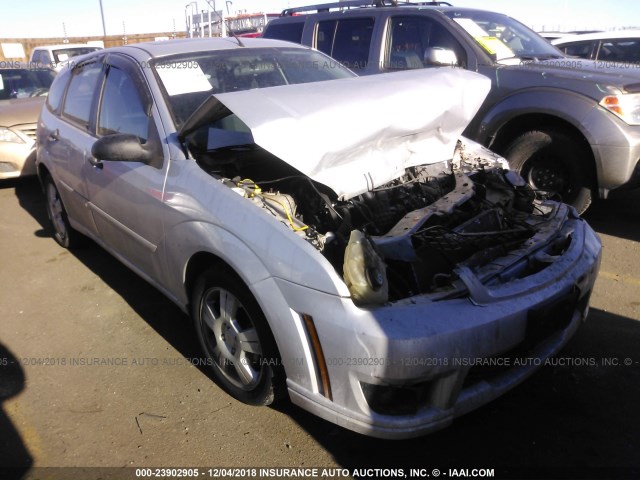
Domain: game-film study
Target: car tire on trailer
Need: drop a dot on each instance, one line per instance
(555, 163)
(235, 338)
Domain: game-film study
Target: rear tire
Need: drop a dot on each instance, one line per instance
(63, 232)
(235, 338)
(554, 163)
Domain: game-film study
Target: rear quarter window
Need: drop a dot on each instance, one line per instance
(56, 92)
(290, 31)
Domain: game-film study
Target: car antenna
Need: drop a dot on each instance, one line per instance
(237, 38)
(230, 30)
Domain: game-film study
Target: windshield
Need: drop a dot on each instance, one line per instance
(22, 83)
(191, 78)
(503, 36)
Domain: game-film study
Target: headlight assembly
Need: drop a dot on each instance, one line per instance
(626, 106)
(7, 135)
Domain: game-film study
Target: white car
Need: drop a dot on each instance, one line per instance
(329, 235)
(607, 48)
(552, 35)
(56, 56)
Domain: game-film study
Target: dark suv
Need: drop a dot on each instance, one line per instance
(569, 127)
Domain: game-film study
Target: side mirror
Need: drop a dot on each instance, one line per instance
(121, 147)
(440, 56)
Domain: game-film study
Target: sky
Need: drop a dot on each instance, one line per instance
(45, 18)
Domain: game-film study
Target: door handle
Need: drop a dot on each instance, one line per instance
(95, 162)
(54, 136)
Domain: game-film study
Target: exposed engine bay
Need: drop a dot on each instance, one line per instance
(400, 239)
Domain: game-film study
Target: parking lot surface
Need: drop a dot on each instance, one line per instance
(95, 372)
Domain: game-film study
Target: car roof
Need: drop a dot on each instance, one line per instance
(165, 48)
(614, 35)
(64, 45)
(370, 8)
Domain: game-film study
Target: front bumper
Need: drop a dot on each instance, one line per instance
(410, 368)
(616, 148)
(18, 159)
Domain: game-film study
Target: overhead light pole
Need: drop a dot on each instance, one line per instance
(104, 29)
(189, 19)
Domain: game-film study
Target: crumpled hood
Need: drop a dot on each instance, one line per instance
(357, 133)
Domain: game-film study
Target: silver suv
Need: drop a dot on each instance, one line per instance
(571, 128)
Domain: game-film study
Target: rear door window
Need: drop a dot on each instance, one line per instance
(623, 50)
(81, 93)
(346, 40)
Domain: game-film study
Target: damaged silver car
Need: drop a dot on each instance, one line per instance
(333, 238)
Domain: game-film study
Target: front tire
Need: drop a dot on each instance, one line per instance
(63, 232)
(554, 163)
(235, 338)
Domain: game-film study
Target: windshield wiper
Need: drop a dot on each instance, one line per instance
(549, 56)
(532, 58)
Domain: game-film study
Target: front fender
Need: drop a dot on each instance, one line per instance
(615, 146)
(252, 262)
(568, 106)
